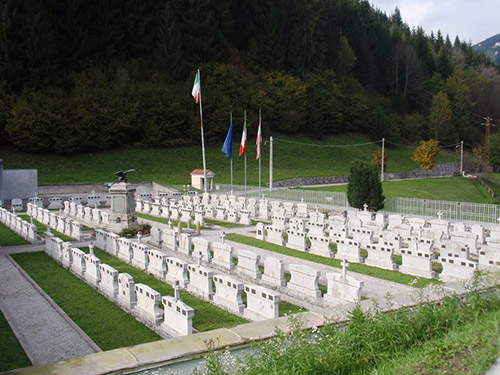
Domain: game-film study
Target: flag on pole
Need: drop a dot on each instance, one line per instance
(259, 140)
(227, 147)
(243, 144)
(196, 87)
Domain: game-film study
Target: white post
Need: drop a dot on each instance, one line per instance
(246, 153)
(260, 156)
(461, 158)
(231, 155)
(382, 168)
(203, 142)
(270, 163)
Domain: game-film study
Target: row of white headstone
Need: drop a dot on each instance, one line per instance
(91, 216)
(350, 236)
(21, 227)
(195, 278)
(140, 300)
(304, 279)
(60, 223)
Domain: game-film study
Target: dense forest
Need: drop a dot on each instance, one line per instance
(81, 75)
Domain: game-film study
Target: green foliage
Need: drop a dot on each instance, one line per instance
(13, 355)
(426, 153)
(440, 119)
(364, 187)
(80, 76)
(132, 232)
(9, 238)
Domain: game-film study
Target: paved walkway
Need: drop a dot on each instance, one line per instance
(44, 331)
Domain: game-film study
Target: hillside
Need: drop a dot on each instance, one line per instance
(491, 48)
(81, 76)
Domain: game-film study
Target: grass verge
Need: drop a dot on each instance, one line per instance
(10, 238)
(164, 220)
(457, 335)
(224, 223)
(13, 355)
(206, 316)
(42, 228)
(395, 276)
(107, 324)
(449, 189)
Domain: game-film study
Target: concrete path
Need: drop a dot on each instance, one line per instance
(44, 331)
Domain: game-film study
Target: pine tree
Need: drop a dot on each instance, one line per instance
(364, 187)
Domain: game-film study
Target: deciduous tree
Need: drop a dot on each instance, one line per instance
(426, 153)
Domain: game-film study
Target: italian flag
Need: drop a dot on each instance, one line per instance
(196, 87)
(243, 144)
(259, 140)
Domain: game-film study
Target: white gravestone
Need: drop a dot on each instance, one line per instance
(457, 269)
(275, 235)
(343, 287)
(157, 263)
(200, 281)
(124, 249)
(148, 304)
(417, 263)
(185, 244)
(78, 262)
(248, 264)
(178, 317)
(109, 281)
(202, 249)
(223, 255)
(126, 291)
(262, 303)
(380, 256)
(228, 293)
(176, 271)
(260, 232)
(320, 245)
(296, 239)
(139, 255)
(304, 281)
(349, 250)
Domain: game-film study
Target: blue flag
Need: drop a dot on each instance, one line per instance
(227, 147)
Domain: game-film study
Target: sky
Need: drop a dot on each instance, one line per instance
(471, 20)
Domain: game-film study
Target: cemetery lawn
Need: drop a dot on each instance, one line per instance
(224, 224)
(10, 238)
(173, 165)
(13, 355)
(493, 181)
(165, 221)
(42, 228)
(395, 276)
(451, 189)
(107, 325)
(206, 315)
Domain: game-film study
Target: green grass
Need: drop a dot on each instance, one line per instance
(225, 224)
(206, 315)
(13, 355)
(9, 238)
(457, 335)
(493, 181)
(172, 166)
(354, 267)
(42, 228)
(472, 349)
(450, 189)
(106, 324)
(164, 220)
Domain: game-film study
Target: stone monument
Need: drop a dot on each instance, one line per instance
(122, 213)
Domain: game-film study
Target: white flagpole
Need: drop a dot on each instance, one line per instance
(231, 123)
(202, 141)
(246, 140)
(260, 145)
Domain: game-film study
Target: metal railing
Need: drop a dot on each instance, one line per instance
(457, 211)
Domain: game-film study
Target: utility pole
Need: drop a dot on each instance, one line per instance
(382, 168)
(461, 158)
(487, 139)
(270, 163)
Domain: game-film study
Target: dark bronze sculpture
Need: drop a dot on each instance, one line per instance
(122, 175)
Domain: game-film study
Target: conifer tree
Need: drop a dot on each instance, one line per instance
(364, 187)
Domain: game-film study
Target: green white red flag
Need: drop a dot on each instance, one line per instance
(196, 87)
(259, 139)
(243, 144)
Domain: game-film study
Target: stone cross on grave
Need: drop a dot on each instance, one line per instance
(139, 237)
(222, 236)
(91, 248)
(200, 257)
(440, 214)
(345, 264)
(177, 291)
(169, 224)
(301, 199)
(365, 207)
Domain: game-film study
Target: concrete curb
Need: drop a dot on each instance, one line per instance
(56, 307)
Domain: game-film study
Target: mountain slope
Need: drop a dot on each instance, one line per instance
(491, 47)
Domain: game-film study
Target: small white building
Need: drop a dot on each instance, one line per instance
(197, 179)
